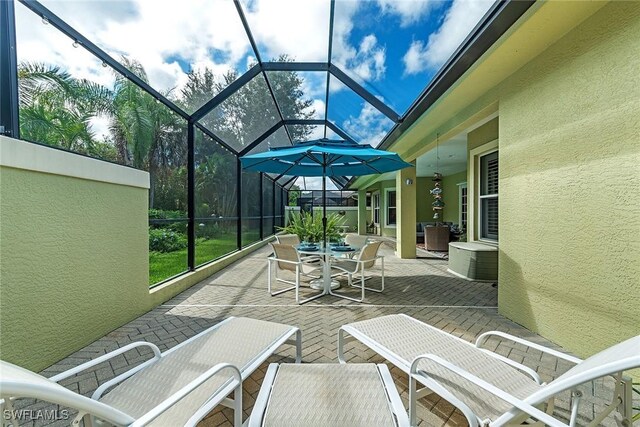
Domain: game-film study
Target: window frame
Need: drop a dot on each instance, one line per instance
(481, 198)
(387, 191)
(463, 200)
(375, 205)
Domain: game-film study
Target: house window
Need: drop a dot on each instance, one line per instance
(391, 207)
(462, 201)
(376, 208)
(489, 196)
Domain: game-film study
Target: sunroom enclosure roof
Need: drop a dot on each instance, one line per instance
(358, 67)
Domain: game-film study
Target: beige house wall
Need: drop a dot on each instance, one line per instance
(565, 84)
(74, 260)
(569, 265)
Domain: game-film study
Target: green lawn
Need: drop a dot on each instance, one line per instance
(163, 265)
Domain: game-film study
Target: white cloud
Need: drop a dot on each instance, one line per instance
(370, 126)
(318, 106)
(366, 61)
(208, 33)
(314, 183)
(409, 11)
(297, 28)
(416, 59)
(458, 22)
(168, 39)
(37, 42)
(314, 88)
(100, 126)
(158, 34)
(317, 132)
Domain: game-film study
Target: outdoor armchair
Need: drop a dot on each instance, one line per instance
(487, 388)
(287, 258)
(356, 240)
(177, 387)
(294, 240)
(288, 239)
(366, 260)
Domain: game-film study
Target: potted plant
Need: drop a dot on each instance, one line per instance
(308, 228)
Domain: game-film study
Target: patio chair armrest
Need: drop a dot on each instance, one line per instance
(519, 366)
(184, 391)
(91, 363)
(501, 394)
(377, 257)
(284, 260)
(483, 338)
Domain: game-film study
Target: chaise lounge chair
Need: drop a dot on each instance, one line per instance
(487, 388)
(320, 395)
(177, 387)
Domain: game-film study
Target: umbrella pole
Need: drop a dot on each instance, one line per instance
(324, 199)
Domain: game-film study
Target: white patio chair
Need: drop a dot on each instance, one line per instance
(356, 240)
(288, 239)
(177, 387)
(489, 389)
(294, 240)
(286, 258)
(366, 260)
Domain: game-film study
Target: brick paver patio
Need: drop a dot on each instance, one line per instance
(421, 288)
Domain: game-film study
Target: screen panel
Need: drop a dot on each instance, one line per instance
(244, 116)
(188, 50)
(287, 30)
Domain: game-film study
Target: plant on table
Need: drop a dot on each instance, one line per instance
(309, 227)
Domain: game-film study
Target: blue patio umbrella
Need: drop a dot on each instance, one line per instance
(324, 157)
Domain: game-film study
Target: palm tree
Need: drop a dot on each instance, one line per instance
(56, 108)
(215, 178)
(147, 135)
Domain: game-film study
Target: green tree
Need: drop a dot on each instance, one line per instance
(294, 194)
(215, 180)
(248, 112)
(149, 136)
(57, 109)
(239, 120)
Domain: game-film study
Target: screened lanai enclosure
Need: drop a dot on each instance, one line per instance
(183, 89)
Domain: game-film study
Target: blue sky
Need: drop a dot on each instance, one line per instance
(391, 47)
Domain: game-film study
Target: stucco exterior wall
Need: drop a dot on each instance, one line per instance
(380, 186)
(569, 265)
(478, 142)
(74, 252)
(450, 196)
(350, 216)
(423, 199)
(74, 259)
(451, 212)
(483, 134)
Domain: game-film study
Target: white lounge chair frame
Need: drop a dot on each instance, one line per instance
(395, 403)
(299, 267)
(90, 408)
(522, 409)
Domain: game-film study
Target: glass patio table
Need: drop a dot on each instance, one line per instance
(326, 284)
